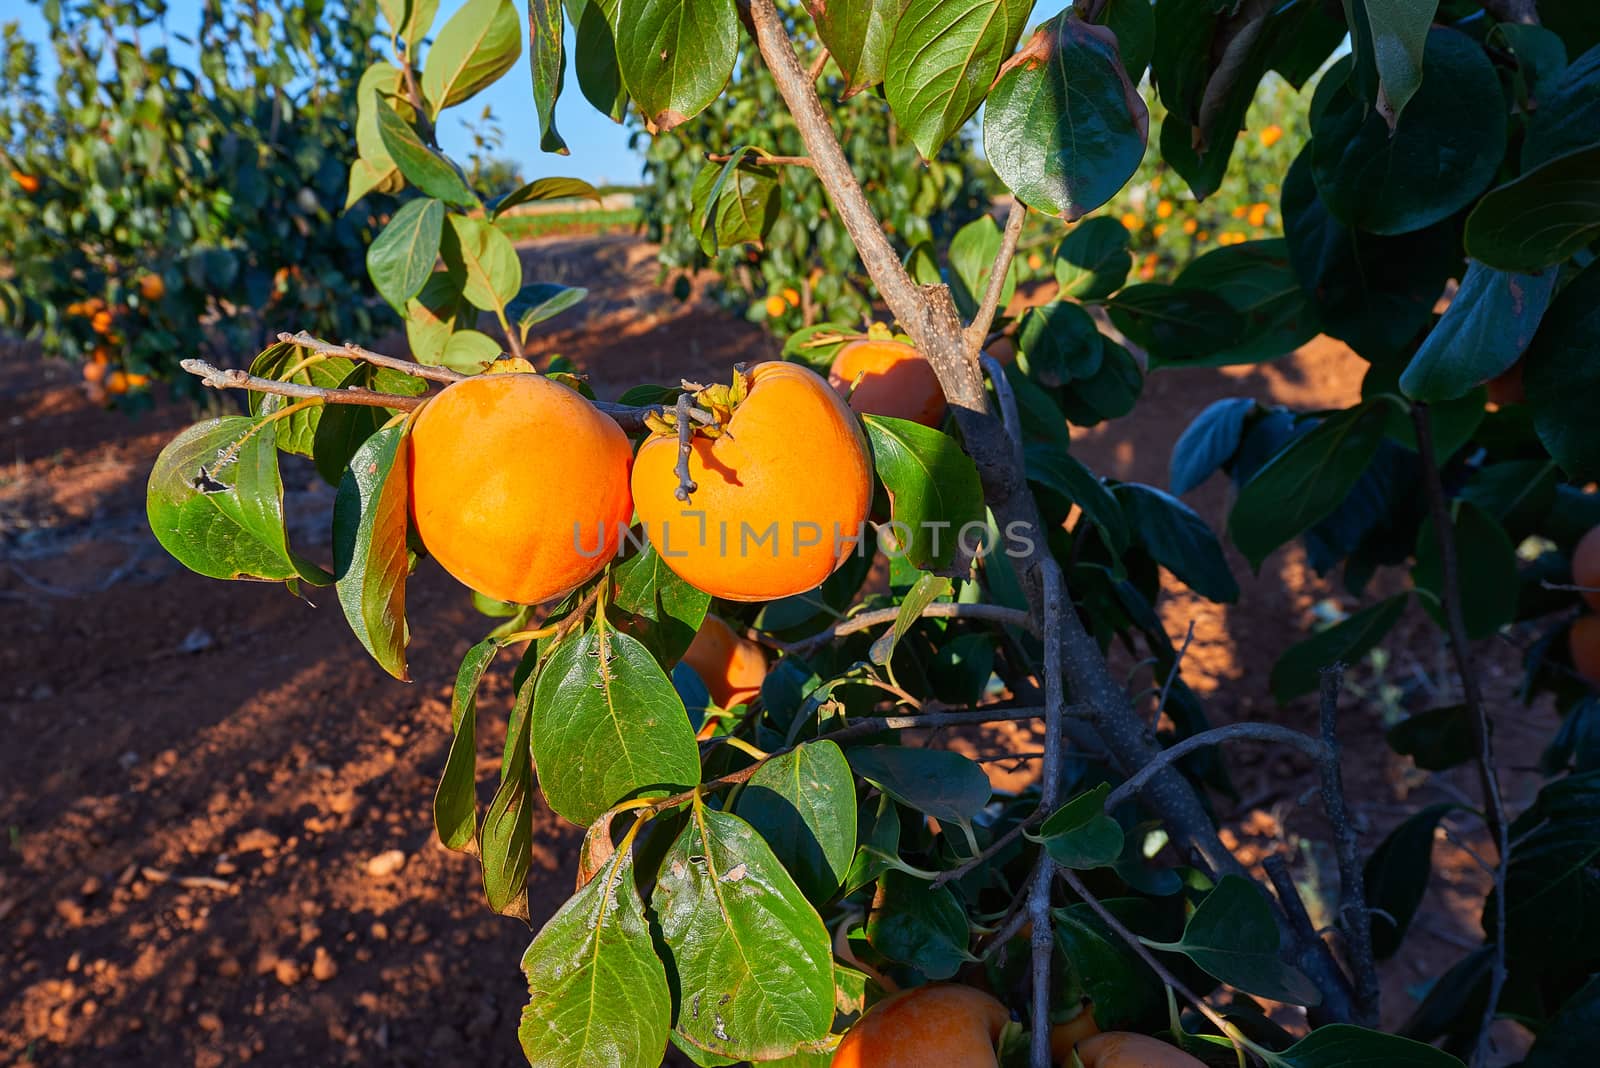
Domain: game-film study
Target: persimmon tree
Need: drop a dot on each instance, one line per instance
(752, 878)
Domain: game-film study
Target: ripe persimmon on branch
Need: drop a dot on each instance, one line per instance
(772, 790)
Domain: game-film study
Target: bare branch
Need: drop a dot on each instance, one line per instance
(1043, 937)
(978, 330)
(353, 351)
(1355, 920)
(777, 161)
(994, 849)
(1256, 732)
(1472, 691)
(992, 613)
(817, 63)
(1172, 676)
(217, 378)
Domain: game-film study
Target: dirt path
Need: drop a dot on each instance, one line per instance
(219, 843)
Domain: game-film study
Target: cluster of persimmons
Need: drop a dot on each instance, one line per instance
(102, 371)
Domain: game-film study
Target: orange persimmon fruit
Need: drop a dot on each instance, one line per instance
(1583, 640)
(943, 1025)
(28, 182)
(1586, 566)
(895, 380)
(1068, 1033)
(1126, 1049)
(519, 486)
(782, 493)
(731, 667)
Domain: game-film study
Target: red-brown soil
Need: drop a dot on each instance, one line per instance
(219, 844)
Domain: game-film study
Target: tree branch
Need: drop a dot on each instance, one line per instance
(1354, 918)
(1472, 691)
(351, 350)
(1043, 936)
(978, 330)
(686, 484)
(992, 613)
(777, 161)
(1256, 732)
(217, 378)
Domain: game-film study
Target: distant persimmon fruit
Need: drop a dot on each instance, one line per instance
(889, 378)
(519, 486)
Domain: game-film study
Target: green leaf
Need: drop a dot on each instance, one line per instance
(1570, 1038)
(1134, 23)
(1486, 570)
(1179, 540)
(935, 782)
(607, 726)
(676, 56)
(433, 315)
(344, 428)
(491, 274)
(877, 842)
(1348, 1046)
(944, 56)
(933, 487)
(1553, 881)
(285, 362)
(597, 992)
(1096, 963)
(803, 803)
(1298, 670)
(431, 173)
(1176, 324)
(1064, 127)
(1396, 877)
(1061, 473)
(973, 252)
(1093, 260)
(1257, 280)
(538, 301)
(1208, 443)
(1568, 112)
(734, 203)
(1399, 32)
(752, 960)
(670, 609)
(215, 501)
(915, 925)
(857, 36)
(1233, 936)
(1541, 218)
(381, 83)
(469, 351)
(479, 43)
(1307, 481)
(545, 189)
(369, 547)
(547, 58)
(402, 257)
(455, 802)
(1080, 834)
(1562, 374)
(1489, 323)
(1109, 393)
(1058, 342)
(599, 77)
(410, 19)
(1443, 152)
(506, 840)
(927, 589)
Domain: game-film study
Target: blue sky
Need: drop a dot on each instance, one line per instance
(599, 147)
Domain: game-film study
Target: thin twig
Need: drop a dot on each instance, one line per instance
(1567, 587)
(978, 329)
(760, 160)
(1472, 691)
(821, 60)
(1355, 921)
(1009, 418)
(994, 849)
(992, 613)
(351, 350)
(1043, 937)
(217, 378)
(686, 484)
(1172, 676)
(1255, 732)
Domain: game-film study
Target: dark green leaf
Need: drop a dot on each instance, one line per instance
(1399, 31)
(286, 362)
(1437, 739)
(402, 257)
(546, 189)
(1064, 127)
(1208, 443)
(676, 55)
(506, 840)
(1306, 481)
(1093, 260)
(752, 960)
(1490, 321)
(1258, 281)
(1097, 964)
(935, 782)
(857, 35)
(1079, 834)
(1396, 877)
(1348, 1046)
(547, 57)
(597, 993)
(1562, 376)
(1298, 670)
(1058, 342)
(479, 43)
(914, 925)
(1571, 1037)
(803, 803)
(1568, 112)
(944, 57)
(1233, 936)
(932, 485)
(455, 802)
(1060, 472)
(1109, 393)
(1441, 155)
(431, 173)
(1176, 324)
(1179, 540)
(344, 428)
(734, 202)
(1541, 218)
(599, 77)
(1553, 880)
(671, 609)
(369, 547)
(926, 590)
(607, 725)
(1486, 571)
